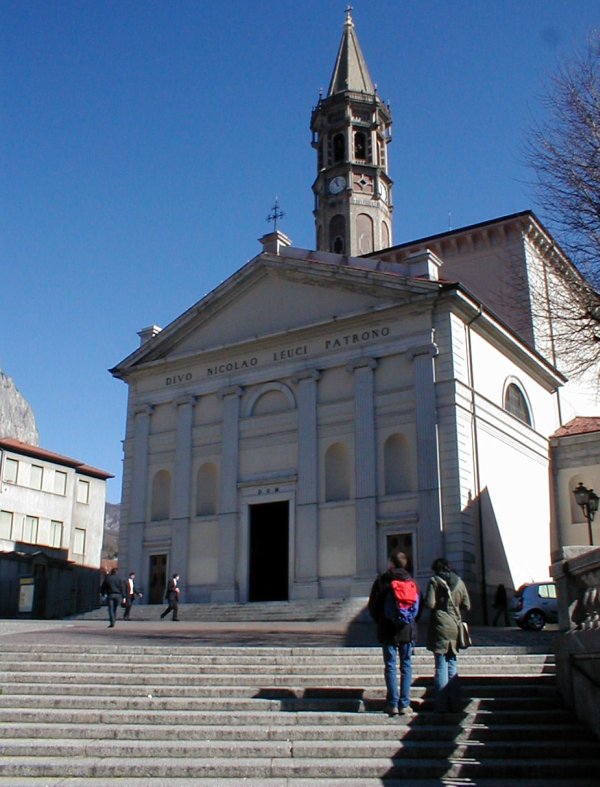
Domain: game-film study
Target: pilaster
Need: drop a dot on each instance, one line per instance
(430, 518)
(306, 578)
(228, 509)
(139, 488)
(182, 490)
(365, 471)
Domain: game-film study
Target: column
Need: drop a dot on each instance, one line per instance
(180, 526)
(138, 492)
(307, 512)
(430, 518)
(228, 508)
(365, 464)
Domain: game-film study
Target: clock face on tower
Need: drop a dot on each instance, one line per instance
(337, 184)
(382, 191)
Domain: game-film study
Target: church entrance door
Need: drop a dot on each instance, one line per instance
(269, 552)
(158, 579)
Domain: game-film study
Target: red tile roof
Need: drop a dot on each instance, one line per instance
(579, 425)
(19, 447)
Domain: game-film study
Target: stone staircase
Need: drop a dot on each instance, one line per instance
(147, 716)
(305, 611)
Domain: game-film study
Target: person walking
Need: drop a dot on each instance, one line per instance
(132, 591)
(396, 641)
(114, 590)
(172, 595)
(446, 596)
(500, 604)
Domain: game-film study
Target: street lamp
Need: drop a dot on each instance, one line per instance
(588, 500)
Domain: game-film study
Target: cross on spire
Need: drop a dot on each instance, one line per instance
(349, 9)
(275, 214)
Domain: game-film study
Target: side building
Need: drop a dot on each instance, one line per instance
(49, 500)
(51, 531)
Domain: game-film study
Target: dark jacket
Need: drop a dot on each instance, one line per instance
(442, 632)
(387, 633)
(113, 585)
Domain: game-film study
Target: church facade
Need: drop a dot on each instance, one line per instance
(279, 452)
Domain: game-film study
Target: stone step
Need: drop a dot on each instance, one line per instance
(245, 685)
(228, 653)
(226, 703)
(269, 689)
(296, 748)
(299, 768)
(59, 781)
(279, 717)
(379, 730)
(268, 719)
(310, 610)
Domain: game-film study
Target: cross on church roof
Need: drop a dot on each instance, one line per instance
(275, 214)
(349, 8)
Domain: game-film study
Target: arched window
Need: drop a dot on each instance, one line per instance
(396, 461)
(161, 496)
(339, 148)
(385, 235)
(516, 404)
(206, 490)
(364, 232)
(360, 146)
(337, 473)
(337, 234)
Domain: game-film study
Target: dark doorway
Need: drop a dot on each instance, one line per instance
(158, 579)
(401, 541)
(269, 552)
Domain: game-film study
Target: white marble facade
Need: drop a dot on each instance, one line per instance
(278, 452)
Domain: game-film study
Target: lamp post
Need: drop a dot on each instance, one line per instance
(588, 500)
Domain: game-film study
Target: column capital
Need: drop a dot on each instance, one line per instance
(189, 399)
(361, 363)
(308, 374)
(143, 409)
(425, 349)
(231, 390)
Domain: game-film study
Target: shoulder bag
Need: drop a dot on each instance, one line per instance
(463, 640)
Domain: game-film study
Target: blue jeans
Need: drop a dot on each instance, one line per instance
(446, 683)
(404, 651)
(113, 602)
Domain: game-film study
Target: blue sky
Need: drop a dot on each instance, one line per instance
(143, 142)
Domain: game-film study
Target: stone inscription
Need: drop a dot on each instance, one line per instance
(285, 354)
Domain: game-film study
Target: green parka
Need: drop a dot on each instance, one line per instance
(442, 632)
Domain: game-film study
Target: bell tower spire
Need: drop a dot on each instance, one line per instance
(351, 128)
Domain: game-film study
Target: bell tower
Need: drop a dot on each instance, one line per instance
(351, 128)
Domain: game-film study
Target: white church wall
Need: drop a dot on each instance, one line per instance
(207, 410)
(490, 263)
(291, 305)
(203, 560)
(493, 369)
(334, 385)
(337, 540)
(515, 492)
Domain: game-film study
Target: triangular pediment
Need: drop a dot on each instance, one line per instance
(273, 295)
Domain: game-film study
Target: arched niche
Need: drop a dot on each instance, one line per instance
(269, 399)
(206, 490)
(396, 462)
(337, 473)
(160, 505)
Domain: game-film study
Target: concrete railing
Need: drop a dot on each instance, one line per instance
(577, 577)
